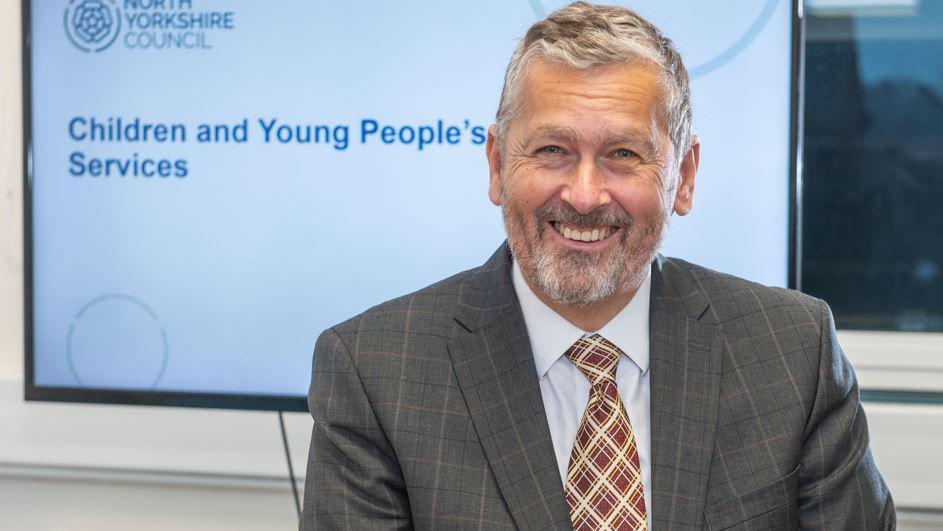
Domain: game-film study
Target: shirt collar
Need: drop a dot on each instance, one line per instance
(550, 334)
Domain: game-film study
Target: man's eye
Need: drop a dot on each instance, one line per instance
(549, 150)
(624, 153)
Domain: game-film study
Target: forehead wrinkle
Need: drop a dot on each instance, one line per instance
(608, 95)
(600, 95)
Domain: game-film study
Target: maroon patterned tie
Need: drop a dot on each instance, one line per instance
(604, 479)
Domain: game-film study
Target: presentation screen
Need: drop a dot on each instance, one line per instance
(210, 184)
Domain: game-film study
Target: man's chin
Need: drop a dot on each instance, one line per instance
(576, 284)
(581, 266)
(579, 295)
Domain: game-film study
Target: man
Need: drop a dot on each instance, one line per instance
(577, 379)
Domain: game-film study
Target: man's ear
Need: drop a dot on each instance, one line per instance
(684, 198)
(493, 152)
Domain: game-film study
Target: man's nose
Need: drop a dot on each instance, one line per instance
(586, 190)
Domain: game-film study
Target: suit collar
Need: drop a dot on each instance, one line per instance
(488, 293)
(677, 289)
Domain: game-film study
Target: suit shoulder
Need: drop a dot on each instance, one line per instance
(770, 335)
(733, 298)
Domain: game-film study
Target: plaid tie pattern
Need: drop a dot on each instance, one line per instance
(604, 479)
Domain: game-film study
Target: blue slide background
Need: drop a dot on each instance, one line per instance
(220, 281)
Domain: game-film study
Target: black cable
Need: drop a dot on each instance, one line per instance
(291, 471)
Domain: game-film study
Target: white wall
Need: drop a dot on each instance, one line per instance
(88, 467)
(11, 199)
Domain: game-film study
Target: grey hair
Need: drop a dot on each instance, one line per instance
(582, 35)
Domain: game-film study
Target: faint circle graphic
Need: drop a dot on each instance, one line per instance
(718, 59)
(92, 25)
(117, 341)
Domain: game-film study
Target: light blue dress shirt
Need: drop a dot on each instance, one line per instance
(565, 390)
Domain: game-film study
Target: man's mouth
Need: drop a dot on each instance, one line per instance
(583, 234)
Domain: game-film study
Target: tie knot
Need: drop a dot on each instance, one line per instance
(595, 357)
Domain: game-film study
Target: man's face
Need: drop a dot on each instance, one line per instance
(587, 179)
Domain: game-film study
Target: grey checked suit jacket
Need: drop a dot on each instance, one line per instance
(427, 413)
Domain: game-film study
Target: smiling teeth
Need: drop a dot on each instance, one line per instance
(582, 236)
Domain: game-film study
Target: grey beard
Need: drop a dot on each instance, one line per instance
(571, 280)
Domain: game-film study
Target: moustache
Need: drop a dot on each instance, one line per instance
(564, 213)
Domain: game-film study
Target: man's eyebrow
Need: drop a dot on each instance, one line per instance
(632, 138)
(553, 133)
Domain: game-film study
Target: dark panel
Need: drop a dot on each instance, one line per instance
(872, 189)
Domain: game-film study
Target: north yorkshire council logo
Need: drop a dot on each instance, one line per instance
(92, 25)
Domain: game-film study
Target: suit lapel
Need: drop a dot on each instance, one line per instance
(685, 384)
(495, 368)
